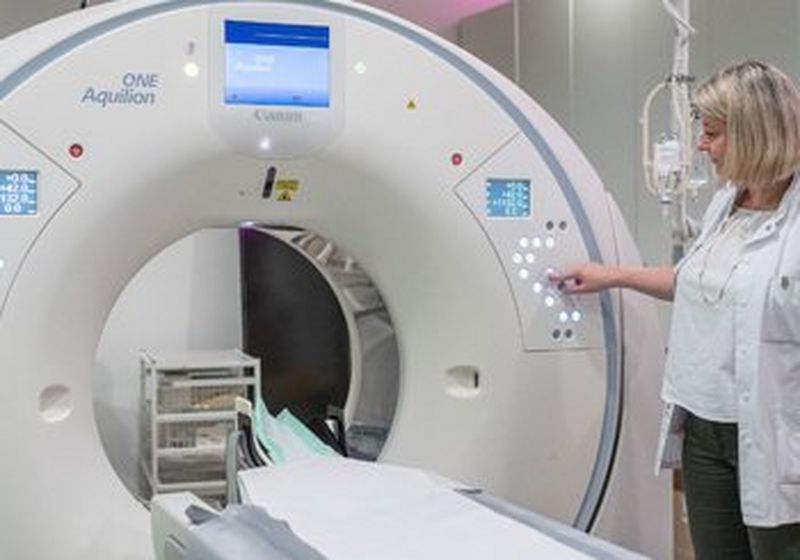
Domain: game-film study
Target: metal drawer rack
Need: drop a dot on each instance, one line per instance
(186, 412)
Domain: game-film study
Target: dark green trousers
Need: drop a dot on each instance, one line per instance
(711, 482)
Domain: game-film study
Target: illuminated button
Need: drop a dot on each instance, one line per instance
(191, 69)
(537, 242)
(517, 258)
(2, 263)
(523, 274)
(537, 288)
(550, 242)
(360, 68)
(577, 315)
(524, 242)
(563, 316)
(265, 144)
(549, 301)
(530, 258)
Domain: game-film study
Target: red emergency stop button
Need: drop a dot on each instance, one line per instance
(76, 151)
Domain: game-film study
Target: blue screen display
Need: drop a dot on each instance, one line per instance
(277, 64)
(19, 193)
(508, 198)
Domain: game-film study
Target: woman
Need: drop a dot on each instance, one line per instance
(732, 380)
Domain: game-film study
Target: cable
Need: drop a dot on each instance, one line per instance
(677, 17)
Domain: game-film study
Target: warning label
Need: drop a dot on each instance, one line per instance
(286, 189)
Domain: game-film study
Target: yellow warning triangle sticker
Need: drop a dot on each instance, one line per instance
(285, 196)
(411, 104)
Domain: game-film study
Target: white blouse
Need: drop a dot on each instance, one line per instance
(700, 361)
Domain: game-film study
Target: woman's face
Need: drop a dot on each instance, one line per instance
(713, 141)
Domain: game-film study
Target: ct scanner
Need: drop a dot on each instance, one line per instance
(130, 125)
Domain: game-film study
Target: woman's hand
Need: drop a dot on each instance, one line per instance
(587, 278)
(591, 277)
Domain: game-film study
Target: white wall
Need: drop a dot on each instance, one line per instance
(186, 298)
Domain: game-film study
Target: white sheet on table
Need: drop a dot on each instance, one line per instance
(354, 510)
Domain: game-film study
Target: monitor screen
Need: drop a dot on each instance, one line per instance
(19, 192)
(508, 198)
(277, 64)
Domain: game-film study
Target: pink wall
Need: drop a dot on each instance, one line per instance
(440, 16)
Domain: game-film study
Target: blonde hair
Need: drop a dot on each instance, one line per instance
(760, 107)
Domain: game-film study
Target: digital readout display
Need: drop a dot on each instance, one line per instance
(508, 198)
(19, 192)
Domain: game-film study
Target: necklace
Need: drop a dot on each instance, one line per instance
(736, 224)
(715, 298)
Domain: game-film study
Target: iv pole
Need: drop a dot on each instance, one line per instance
(667, 171)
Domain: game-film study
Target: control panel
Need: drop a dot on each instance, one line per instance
(531, 226)
(32, 188)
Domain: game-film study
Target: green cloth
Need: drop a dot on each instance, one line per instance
(286, 438)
